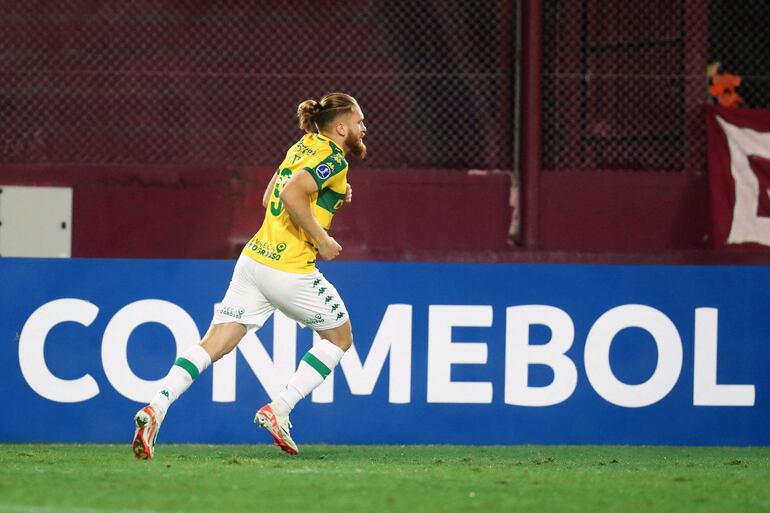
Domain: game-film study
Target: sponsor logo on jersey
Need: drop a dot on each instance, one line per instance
(323, 171)
(265, 249)
(301, 148)
(337, 158)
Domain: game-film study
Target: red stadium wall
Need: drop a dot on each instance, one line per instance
(140, 212)
(403, 214)
(165, 212)
(622, 211)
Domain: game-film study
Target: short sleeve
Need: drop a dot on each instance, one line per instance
(325, 171)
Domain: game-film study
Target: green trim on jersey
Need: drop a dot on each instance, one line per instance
(334, 146)
(330, 200)
(335, 163)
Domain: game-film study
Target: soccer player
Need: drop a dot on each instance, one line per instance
(277, 271)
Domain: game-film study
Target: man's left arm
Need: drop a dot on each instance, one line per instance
(269, 190)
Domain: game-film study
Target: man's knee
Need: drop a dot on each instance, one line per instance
(341, 337)
(345, 341)
(221, 339)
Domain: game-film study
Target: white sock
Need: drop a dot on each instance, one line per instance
(184, 371)
(313, 369)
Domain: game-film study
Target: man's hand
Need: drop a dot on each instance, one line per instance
(349, 194)
(328, 248)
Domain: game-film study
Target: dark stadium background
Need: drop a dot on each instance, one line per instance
(167, 119)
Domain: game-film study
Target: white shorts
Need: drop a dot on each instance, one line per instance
(257, 290)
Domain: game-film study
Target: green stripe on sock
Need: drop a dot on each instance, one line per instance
(317, 364)
(188, 366)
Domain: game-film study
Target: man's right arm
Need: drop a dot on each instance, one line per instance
(295, 197)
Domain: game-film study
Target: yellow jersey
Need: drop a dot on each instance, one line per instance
(282, 244)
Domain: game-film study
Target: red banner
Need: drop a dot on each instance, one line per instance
(739, 176)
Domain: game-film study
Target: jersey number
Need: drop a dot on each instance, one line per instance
(277, 207)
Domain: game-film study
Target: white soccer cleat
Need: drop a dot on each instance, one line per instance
(278, 426)
(147, 422)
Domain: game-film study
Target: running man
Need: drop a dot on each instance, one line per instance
(277, 271)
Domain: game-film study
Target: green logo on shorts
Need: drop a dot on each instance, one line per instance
(231, 311)
(280, 247)
(318, 319)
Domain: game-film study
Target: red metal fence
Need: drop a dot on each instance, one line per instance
(218, 82)
(624, 83)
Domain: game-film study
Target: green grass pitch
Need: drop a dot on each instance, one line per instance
(43, 478)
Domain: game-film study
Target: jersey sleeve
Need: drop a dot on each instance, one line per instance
(327, 170)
